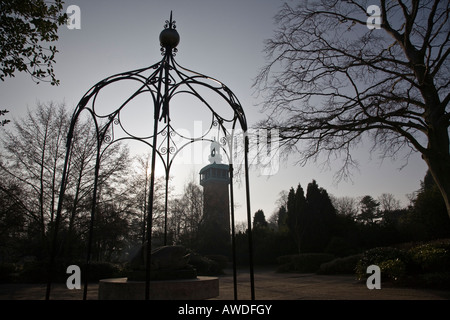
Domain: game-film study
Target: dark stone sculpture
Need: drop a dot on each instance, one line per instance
(167, 263)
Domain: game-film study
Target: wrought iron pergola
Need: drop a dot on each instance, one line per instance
(160, 83)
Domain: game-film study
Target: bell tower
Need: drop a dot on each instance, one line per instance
(214, 178)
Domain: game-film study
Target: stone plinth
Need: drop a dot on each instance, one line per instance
(187, 289)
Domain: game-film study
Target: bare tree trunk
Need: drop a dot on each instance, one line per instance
(41, 185)
(439, 165)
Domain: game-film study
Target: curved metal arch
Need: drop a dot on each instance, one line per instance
(231, 99)
(114, 116)
(165, 81)
(135, 75)
(97, 90)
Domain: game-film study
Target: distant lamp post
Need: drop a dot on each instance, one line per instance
(159, 83)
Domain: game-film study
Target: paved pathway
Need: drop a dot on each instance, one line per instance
(269, 285)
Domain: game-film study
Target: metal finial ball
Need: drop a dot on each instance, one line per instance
(169, 38)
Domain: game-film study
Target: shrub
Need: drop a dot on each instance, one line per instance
(204, 265)
(37, 272)
(340, 247)
(303, 263)
(431, 257)
(345, 265)
(102, 270)
(221, 260)
(424, 265)
(393, 269)
(377, 256)
(7, 272)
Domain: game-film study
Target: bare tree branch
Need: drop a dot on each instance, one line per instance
(330, 81)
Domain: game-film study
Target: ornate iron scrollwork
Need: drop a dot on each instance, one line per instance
(161, 82)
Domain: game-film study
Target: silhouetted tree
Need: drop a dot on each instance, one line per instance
(190, 214)
(369, 210)
(12, 221)
(186, 219)
(321, 215)
(32, 160)
(310, 219)
(318, 200)
(429, 211)
(345, 206)
(259, 219)
(282, 218)
(26, 26)
(138, 187)
(330, 82)
(296, 215)
(112, 228)
(33, 156)
(388, 202)
(4, 121)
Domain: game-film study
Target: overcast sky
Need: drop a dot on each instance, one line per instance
(222, 39)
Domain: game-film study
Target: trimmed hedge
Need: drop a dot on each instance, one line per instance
(37, 272)
(391, 259)
(206, 266)
(8, 272)
(346, 265)
(425, 265)
(303, 263)
(431, 257)
(103, 270)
